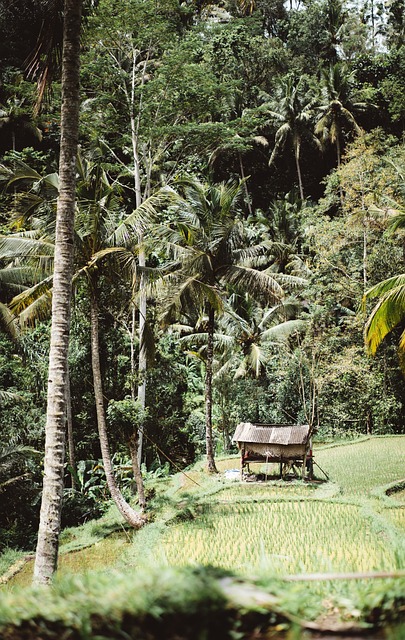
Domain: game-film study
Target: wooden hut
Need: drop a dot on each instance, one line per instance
(289, 445)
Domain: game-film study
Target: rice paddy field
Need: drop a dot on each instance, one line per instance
(283, 528)
(273, 528)
(278, 537)
(359, 467)
(286, 527)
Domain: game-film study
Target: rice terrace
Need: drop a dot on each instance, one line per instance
(231, 559)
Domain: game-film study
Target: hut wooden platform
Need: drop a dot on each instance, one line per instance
(289, 445)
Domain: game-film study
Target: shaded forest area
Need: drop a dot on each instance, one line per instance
(240, 189)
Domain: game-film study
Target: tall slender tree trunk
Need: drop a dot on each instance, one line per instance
(242, 175)
(365, 248)
(339, 162)
(130, 515)
(298, 166)
(338, 152)
(133, 448)
(142, 362)
(46, 558)
(69, 424)
(208, 393)
(133, 442)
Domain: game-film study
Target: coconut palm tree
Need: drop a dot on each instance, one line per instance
(255, 333)
(207, 237)
(337, 111)
(95, 228)
(98, 230)
(15, 119)
(292, 108)
(51, 505)
(96, 223)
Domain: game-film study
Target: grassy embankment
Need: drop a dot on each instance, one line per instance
(263, 532)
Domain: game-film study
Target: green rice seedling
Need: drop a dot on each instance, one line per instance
(265, 490)
(397, 516)
(359, 467)
(284, 537)
(400, 496)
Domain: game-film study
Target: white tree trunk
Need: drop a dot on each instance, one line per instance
(51, 505)
(211, 466)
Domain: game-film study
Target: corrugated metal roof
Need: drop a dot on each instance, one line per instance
(271, 433)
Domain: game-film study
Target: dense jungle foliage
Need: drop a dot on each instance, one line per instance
(240, 169)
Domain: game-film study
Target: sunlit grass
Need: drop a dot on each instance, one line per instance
(101, 555)
(400, 495)
(359, 467)
(9, 560)
(240, 490)
(397, 516)
(284, 537)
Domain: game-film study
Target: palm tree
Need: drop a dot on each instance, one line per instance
(95, 230)
(10, 455)
(292, 108)
(207, 237)
(96, 227)
(15, 119)
(256, 332)
(336, 112)
(98, 231)
(51, 505)
(389, 311)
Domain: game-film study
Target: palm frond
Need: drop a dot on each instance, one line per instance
(287, 280)
(387, 313)
(16, 277)
(142, 216)
(23, 246)
(384, 287)
(281, 332)
(199, 339)
(44, 62)
(35, 299)
(241, 371)
(22, 172)
(226, 369)
(39, 309)
(397, 221)
(258, 282)
(287, 310)
(5, 396)
(188, 294)
(8, 321)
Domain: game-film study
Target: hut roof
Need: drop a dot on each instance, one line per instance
(271, 433)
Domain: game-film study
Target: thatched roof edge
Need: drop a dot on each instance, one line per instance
(247, 432)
